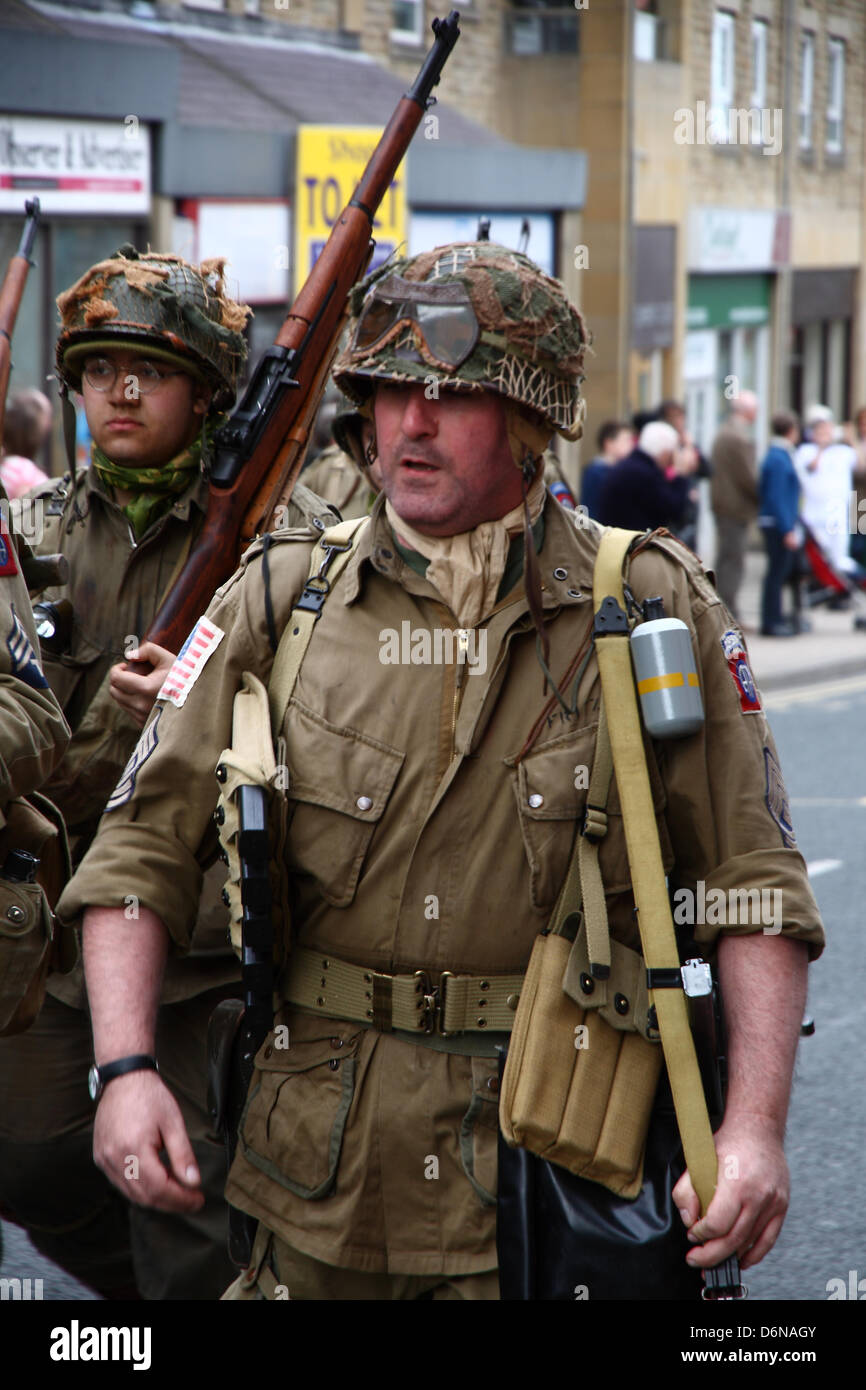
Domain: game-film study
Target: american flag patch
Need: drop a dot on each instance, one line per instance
(190, 660)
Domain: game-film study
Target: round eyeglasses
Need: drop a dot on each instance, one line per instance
(140, 378)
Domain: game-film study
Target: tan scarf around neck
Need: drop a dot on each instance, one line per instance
(467, 569)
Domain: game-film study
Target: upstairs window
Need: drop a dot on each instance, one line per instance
(533, 27)
(835, 138)
(807, 87)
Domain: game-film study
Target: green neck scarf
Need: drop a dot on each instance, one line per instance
(153, 489)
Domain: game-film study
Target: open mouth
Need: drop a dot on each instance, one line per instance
(419, 466)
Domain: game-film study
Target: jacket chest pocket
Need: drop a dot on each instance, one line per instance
(293, 1124)
(340, 781)
(551, 786)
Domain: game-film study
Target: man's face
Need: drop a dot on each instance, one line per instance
(446, 464)
(621, 445)
(822, 433)
(143, 431)
(677, 418)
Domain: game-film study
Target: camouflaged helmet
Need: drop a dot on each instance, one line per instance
(472, 315)
(177, 312)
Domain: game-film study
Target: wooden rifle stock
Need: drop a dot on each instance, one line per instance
(259, 452)
(11, 295)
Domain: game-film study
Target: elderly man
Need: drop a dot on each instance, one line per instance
(650, 487)
(432, 803)
(734, 493)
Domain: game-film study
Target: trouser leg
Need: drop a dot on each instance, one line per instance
(730, 550)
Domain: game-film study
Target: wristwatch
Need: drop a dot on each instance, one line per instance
(99, 1077)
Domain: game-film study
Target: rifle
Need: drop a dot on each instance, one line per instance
(11, 294)
(259, 452)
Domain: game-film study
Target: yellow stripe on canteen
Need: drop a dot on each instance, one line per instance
(664, 667)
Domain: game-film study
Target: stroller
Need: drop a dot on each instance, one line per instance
(820, 581)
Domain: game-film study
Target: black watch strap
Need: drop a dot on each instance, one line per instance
(99, 1077)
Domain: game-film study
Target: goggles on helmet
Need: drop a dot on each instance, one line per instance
(442, 320)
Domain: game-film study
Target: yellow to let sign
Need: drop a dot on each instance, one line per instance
(329, 163)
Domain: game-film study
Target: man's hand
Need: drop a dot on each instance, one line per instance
(751, 1199)
(135, 692)
(136, 1119)
(791, 540)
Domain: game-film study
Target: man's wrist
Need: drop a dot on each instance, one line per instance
(99, 1076)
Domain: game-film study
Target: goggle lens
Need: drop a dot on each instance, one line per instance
(448, 331)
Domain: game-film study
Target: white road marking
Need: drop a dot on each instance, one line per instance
(828, 800)
(809, 694)
(822, 866)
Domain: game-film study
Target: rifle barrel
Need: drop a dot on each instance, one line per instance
(28, 236)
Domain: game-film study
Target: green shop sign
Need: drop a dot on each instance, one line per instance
(728, 301)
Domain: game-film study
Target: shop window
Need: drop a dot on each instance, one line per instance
(758, 98)
(407, 21)
(533, 27)
(807, 85)
(722, 73)
(647, 32)
(835, 96)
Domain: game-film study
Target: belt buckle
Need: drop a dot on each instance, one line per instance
(433, 1002)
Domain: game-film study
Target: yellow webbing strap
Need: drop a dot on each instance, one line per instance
(647, 872)
(299, 629)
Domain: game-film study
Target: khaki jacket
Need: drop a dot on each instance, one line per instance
(115, 587)
(33, 732)
(431, 827)
(734, 489)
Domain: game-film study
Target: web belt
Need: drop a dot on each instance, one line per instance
(423, 1002)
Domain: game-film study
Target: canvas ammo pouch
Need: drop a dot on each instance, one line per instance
(32, 941)
(578, 1090)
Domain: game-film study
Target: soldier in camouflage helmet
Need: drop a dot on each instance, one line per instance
(432, 805)
(156, 347)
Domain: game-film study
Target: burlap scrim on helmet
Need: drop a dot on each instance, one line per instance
(158, 299)
(533, 339)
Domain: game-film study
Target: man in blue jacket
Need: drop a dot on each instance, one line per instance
(780, 501)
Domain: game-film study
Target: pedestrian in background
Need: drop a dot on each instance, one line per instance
(734, 494)
(674, 413)
(26, 427)
(826, 467)
(783, 536)
(615, 441)
(650, 487)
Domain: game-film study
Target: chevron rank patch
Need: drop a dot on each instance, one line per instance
(25, 664)
(190, 661)
(777, 800)
(741, 672)
(8, 562)
(140, 754)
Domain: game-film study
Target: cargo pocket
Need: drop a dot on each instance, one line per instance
(479, 1130)
(295, 1117)
(551, 785)
(25, 953)
(339, 784)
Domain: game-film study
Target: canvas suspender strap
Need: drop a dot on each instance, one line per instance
(327, 562)
(645, 863)
(583, 889)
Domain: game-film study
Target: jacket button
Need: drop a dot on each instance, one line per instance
(221, 772)
(587, 983)
(493, 1084)
(15, 914)
(336, 1042)
(512, 1001)
(620, 1003)
(225, 897)
(560, 573)
(536, 800)
(219, 815)
(364, 803)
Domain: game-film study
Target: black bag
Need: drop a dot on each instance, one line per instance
(560, 1237)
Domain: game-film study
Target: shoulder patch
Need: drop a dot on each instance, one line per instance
(8, 561)
(25, 664)
(741, 672)
(777, 800)
(140, 754)
(190, 661)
